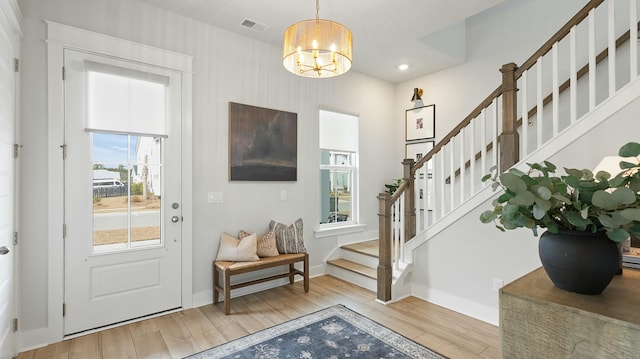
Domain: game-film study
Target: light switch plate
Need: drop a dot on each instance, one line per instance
(215, 197)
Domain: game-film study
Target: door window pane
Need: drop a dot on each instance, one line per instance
(127, 187)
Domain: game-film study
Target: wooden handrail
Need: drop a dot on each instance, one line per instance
(467, 120)
(564, 31)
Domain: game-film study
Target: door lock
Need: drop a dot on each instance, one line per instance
(175, 219)
(4, 250)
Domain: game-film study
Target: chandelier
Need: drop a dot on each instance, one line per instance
(317, 48)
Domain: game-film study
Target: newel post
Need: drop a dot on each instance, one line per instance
(409, 200)
(509, 138)
(384, 241)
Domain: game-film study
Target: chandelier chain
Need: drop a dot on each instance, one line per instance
(317, 9)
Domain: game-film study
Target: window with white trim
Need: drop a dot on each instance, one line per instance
(338, 168)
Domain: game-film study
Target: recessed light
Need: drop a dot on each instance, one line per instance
(403, 67)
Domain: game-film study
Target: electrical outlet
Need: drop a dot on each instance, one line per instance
(497, 284)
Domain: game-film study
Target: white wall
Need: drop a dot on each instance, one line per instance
(227, 67)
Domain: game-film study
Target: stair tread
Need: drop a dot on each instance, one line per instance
(355, 267)
(369, 248)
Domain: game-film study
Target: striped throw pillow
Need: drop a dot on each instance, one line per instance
(288, 238)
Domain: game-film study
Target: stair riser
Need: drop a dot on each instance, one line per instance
(351, 277)
(363, 259)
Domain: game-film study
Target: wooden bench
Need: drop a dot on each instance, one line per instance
(228, 269)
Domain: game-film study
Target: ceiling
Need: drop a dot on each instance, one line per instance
(427, 35)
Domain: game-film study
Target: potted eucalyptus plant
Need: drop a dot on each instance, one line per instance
(585, 215)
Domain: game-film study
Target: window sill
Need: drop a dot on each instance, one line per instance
(323, 232)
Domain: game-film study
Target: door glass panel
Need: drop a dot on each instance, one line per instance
(126, 191)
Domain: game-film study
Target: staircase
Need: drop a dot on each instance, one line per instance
(520, 121)
(356, 263)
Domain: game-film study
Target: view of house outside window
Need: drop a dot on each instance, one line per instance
(338, 168)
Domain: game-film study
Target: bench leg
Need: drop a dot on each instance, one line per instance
(306, 272)
(216, 284)
(227, 291)
(292, 272)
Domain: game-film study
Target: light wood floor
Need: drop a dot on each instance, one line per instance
(189, 331)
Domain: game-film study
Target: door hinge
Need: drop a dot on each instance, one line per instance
(16, 65)
(15, 324)
(63, 73)
(64, 309)
(64, 151)
(64, 230)
(15, 238)
(16, 150)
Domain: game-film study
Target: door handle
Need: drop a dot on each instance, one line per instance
(175, 219)
(4, 250)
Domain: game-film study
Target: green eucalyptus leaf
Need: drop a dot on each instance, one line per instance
(501, 228)
(495, 186)
(622, 220)
(538, 212)
(487, 217)
(618, 181)
(486, 177)
(576, 220)
(631, 149)
(624, 195)
(529, 181)
(584, 213)
(509, 210)
(603, 175)
(543, 192)
(635, 230)
(543, 204)
(505, 197)
(618, 235)
(513, 182)
(550, 166)
(631, 214)
(572, 181)
(561, 198)
(574, 172)
(517, 172)
(624, 165)
(604, 200)
(523, 199)
(608, 221)
(634, 184)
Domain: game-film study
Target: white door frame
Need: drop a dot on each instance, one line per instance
(59, 37)
(12, 22)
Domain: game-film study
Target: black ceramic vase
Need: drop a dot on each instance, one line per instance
(579, 262)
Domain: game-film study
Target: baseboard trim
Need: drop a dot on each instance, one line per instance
(461, 305)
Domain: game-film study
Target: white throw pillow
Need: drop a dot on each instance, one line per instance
(238, 250)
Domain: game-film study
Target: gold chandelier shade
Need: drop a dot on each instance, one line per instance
(317, 48)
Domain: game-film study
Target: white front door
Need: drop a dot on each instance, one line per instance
(122, 191)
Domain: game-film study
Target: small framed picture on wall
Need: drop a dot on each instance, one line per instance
(420, 123)
(417, 150)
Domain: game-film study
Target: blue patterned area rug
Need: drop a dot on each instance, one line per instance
(335, 332)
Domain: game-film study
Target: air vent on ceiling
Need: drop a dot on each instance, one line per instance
(255, 26)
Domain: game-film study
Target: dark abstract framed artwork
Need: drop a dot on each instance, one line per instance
(263, 144)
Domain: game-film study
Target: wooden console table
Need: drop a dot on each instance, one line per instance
(538, 320)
